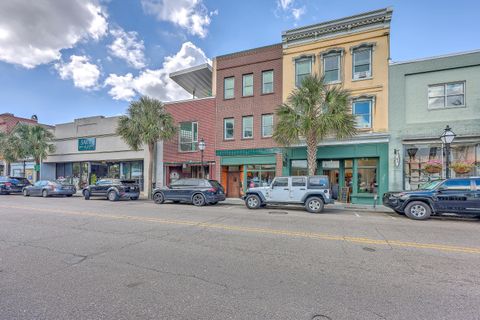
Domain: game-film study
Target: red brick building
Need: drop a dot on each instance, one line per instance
(8, 121)
(248, 90)
(195, 120)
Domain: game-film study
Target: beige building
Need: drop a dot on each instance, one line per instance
(88, 149)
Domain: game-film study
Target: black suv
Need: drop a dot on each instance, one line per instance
(13, 184)
(113, 189)
(459, 195)
(199, 192)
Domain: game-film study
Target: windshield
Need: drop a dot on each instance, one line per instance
(430, 185)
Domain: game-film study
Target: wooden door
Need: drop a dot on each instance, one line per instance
(233, 189)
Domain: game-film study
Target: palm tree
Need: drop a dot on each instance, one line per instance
(11, 149)
(146, 122)
(312, 112)
(36, 142)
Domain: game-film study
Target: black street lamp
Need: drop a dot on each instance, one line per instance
(201, 147)
(447, 138)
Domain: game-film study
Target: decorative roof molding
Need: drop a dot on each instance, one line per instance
(304, 56)
(353, 24)
(363, 45)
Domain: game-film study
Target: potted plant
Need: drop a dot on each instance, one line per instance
(433, 166)
(461, 167)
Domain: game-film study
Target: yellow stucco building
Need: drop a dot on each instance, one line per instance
(351, 52)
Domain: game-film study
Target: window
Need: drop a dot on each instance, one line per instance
(362, 109)
(331, 67)
(280, 182)
(299, 168)
(362, 63)
(260, 175)
(267, 81)
(367, 175)
(247, 127)
(457, 185)
(298, 182)
(229, 88)
(446, 95)
(317, 182)
(303, 68)
(247, 89)
(267, 125)
(228, 126)
(188, 136)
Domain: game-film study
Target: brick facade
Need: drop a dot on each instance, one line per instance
(8, 121)
(201, 111)
(237, 64)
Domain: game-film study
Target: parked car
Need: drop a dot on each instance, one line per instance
(113, 189)
(313, 192)
(46, 188)
(196, 191)
(458, 195)
(13, 184)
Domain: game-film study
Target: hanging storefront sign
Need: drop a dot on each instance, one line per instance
(87, 144)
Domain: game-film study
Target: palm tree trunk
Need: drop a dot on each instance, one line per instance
(312, 155)
(151, 148)
(37, 173)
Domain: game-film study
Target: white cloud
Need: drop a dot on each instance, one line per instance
(156, 83)
(288, 6)
(34, 32)
(191, 15)
(83, 73)
(126, 46)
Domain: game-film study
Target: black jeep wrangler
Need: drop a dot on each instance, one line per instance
(458, 195)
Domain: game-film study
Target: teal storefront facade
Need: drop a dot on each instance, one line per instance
(360, 167)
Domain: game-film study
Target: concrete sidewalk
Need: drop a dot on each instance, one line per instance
(336, 206)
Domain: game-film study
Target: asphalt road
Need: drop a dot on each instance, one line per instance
(67, 258)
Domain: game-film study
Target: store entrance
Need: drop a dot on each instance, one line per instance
(233, 185)
(333, 180)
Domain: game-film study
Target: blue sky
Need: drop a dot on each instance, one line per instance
(91, 57)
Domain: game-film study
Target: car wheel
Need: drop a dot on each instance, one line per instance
(314, 205)
(44, 193)
(418, 210)
(198, 200)
(86, 194)
(25, 193)
(253, 201)
(112, 196)
(69, 195)
(158, 198)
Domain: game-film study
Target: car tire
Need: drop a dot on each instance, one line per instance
(314, 205)
(69, 195)
(418, 210)
(198, 200)
(86, 194)
(252, 201)
(112, 195)
(25, 193)
(44, 193)
(158, 198)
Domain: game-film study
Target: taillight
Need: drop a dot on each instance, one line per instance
(8, 184)
(212, 190)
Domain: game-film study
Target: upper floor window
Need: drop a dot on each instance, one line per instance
(362, 109)
(362, 63)
(267, 81)
(331, 67)
(303, 68)
(188, 137)
(247, 127)
(267, 125)
(446, 95)
(228, 127)
(229, 88)
(247, 88)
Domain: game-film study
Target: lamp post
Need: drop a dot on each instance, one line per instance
(201, 147)
(447, 138)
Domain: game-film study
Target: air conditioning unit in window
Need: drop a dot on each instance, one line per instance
(361, 75)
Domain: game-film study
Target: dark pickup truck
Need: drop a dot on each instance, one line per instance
(113, 189)
(458, 196)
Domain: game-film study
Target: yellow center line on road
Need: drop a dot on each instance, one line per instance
(290, 233)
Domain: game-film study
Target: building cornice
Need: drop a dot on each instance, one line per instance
(353, 24)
